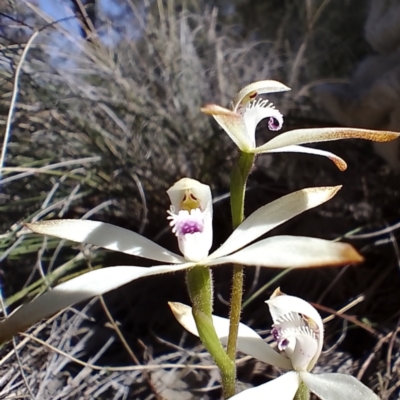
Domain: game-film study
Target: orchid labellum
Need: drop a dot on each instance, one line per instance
(190, 217)
(248, 109)
(298, 334)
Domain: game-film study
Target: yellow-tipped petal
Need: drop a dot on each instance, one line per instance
(249, 341)
(274, 214)
(277, 292)
(339, 162)
(233, 124)
(316, 135)
(183, 315)
(215, 109)
(293, 252)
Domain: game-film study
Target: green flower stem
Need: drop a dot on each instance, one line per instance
(239, 177)
(236, 309)
(200, 286)
(303, 392)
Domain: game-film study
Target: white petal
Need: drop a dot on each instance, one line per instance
(273, 214)
(339, 162)
(253, 114)
(282, 305)
(105, 235)
(233, 124)
(201, 191)
(301, 349)
(240, 131)
(195, 246)
(292, 252)
(81, 288)
(191, 204)
(251, 91)
(249, 341)
(282, 388)
(337, 387)
(314, 135)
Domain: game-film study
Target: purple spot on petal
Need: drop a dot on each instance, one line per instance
(190, 227)
(283, 344)
(274, 124)
(275, 334)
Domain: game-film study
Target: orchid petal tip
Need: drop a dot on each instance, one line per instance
(178, 309)
(277, 292)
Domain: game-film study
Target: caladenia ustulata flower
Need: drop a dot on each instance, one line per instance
(248, 109)
(298, 335)
(190, 217)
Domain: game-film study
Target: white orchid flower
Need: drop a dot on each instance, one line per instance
(191, 220)
(248, 109)
(298, 334)
(191, 217)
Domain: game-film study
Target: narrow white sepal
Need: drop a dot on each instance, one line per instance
(337, 387)
(282, 388)
(81, 288)
(107, 236)
(249, 341)
(291, 252)
(274, 214)
(236, 129)
(339, 162)
(315, 135)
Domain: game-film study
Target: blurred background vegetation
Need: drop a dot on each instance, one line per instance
(107, 118)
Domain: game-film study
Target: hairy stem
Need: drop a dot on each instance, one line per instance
(239, 177)
(236, 309)
(200, 286)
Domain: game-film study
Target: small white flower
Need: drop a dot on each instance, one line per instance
(298, 332)
(248, 109)
(191, 217)
(191, 220)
